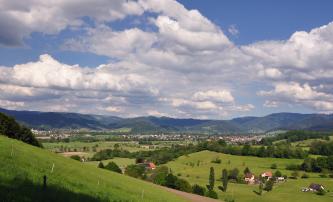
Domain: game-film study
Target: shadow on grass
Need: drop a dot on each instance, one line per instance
(26, 191)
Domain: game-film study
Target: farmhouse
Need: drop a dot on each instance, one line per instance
(148, 165)
(249, 178)
(313, 187)
(316, 187)
(267, 174)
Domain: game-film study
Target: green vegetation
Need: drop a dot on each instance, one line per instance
(10, 128)
(282, 191)
(23, 167)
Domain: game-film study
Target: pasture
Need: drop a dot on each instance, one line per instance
(23, 166)
(195, 169)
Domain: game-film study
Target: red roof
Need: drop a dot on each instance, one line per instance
(152, 165)
(268, 174)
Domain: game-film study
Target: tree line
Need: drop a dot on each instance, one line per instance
(10, 128)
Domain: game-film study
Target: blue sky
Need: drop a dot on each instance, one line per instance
(190, 58)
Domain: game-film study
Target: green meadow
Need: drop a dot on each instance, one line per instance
(22, 168)
(195, 169)
(121, 162)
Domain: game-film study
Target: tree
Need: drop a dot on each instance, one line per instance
(116, 146)
(199, 190)
(246, 170)
(100, 165)
(224, 180)
(274, 166)
(10, 128)
(170, 181)
(210, 186)
(113, 167)
(76, 157)
(136, 171)
(269, 185)
(278, 174)
(183, 185)
(294, 174)
(211, 194)
(159, 175)
(260, 188)
(234, 174)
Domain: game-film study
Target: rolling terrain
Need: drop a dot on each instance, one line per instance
(243, 125)
(188, 168)
(23, 166)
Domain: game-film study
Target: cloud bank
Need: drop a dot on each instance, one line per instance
(176, 63)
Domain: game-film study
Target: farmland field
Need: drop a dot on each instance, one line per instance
(195, 169)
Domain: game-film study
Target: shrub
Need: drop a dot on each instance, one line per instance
(273, 166)
(76, 157)
(112, 166)
(136, 171)
(305, 175)
(183, 185)
(100, 165)
(199, 190)
(269, 185)
(294, 175)
(323, 175)
(211, 194)
(216, 160)
(277, 173)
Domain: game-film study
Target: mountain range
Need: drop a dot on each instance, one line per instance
(149, 124)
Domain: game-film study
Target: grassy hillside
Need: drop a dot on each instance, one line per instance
(187, 167)
(22, 168)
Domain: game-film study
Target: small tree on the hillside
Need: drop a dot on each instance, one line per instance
(210, 186)
(269, 185)
(294, 174)
(274, 166)
(224, 180)
(199, 190)
(100, 165)
(246, 170)
(113, 167)
(76, 157)
(261, 186)
(277, 174)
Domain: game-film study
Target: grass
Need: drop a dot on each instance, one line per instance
(121, 162)
(100, 145)
(22, 168)
(186, 167)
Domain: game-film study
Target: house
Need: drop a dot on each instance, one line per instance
(268, 175)
(249, 178)
(316, 187)
(280, 179)
(148, 165)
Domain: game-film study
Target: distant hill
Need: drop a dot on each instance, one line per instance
(242, 125)
(23, 166)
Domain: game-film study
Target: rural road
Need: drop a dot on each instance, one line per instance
(190, 197)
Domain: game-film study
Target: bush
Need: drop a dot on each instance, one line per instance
(294, 175)
(76, 157)
(183, 185)
(100, 165)
(277, 174)
(321, 192)
(136, 171)
(216, 160)
(159, 174)
(305, 175)
(293, 167)
(112, 166)
(323, 175)
(199, 190)
(273, 166)
(211, 194)
(269, 185)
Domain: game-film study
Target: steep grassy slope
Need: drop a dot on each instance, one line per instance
(22, 168)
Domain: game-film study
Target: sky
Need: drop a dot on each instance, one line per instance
(213, 59)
